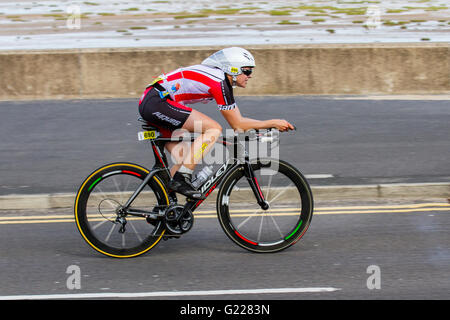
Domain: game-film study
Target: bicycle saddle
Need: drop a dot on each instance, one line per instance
(147, 126)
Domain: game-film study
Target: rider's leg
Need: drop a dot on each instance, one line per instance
(177, 151)
(209, 131)
(189, 156)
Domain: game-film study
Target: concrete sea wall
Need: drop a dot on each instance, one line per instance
(414, 68)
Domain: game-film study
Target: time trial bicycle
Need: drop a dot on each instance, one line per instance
(123, 210)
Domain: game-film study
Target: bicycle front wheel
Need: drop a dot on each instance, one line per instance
(275, 229)
(97, 206)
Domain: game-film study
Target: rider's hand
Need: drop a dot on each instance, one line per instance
(282, 125)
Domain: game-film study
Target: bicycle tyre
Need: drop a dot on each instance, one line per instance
(299, 217)
(86, 215)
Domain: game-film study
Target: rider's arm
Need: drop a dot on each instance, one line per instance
(240, 123)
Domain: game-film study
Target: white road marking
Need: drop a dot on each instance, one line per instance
(319, 176)
(426, 97)
(158, 294)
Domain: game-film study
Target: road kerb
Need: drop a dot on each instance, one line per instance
(415, 191)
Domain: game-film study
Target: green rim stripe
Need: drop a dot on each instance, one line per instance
(296, 229)
(93, 184)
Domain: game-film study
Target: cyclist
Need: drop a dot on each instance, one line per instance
(163, 104)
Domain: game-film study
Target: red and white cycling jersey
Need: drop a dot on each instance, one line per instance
(198, 83)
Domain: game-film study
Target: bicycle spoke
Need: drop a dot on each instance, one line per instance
(268, 188)
(135, 231)
(102, 222)
(260, 228)
(280, 193)
(117, 188)
(110, 232)
(113, 205)
(277, 226)
(245, 221)
(126, 186)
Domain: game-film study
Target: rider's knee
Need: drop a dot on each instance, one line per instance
(214, 129)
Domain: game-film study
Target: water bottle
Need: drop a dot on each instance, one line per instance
(202, 176)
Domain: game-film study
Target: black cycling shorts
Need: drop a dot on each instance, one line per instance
(162, 112)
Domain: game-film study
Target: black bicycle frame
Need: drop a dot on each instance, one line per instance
(161, 166)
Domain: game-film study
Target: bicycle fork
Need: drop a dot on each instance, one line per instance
(250, 175)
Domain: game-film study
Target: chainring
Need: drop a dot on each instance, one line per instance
(178, 220)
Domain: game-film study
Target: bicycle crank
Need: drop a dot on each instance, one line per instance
(178, 219)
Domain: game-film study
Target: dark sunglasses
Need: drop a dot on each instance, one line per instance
(247, 72)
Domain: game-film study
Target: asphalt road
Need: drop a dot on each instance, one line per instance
(407, 243)
(51, 146)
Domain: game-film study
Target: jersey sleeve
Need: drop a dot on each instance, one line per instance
(223, 94)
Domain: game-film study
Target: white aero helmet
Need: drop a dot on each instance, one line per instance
(230, 60)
